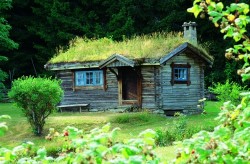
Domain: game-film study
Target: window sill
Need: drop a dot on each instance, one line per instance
(180, 82)
(88, 87)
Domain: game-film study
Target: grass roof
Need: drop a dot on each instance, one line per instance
(154, 45)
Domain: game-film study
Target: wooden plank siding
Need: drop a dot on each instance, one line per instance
(150, 79)
(97, 98)
(101, 99)
(182, 96)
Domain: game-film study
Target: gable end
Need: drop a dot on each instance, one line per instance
(116, 58)
(208, 59)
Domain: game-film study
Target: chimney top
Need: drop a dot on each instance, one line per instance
(190, 32)
(194, 24)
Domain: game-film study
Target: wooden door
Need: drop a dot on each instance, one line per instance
(130, 86)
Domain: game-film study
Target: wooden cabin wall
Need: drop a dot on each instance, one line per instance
(150, 85)
(181, 96)
(97, 98)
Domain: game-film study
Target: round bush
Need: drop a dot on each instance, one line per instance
(37, 98)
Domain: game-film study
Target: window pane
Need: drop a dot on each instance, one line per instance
(79, 78)
(89, 78)
(180, 74)
(98, 77)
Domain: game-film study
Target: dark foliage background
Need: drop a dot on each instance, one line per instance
(41, 26)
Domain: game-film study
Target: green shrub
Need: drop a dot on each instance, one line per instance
(176, 133)
(37, 98)
(164, 137)
(230, 91)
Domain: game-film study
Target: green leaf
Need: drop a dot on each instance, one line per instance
(233, 7)
(42, 153)
(114, 133)
(237, 36)
(136, 159)
(106, 128)
(245, 77)
(149, 133)
(219, 6)
(125, 153)
(216, 15)
(196, 9)
(149, 141)
(196, 1)
(222, 133)
(7, 156)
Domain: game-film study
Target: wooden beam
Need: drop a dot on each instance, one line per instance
(115, 73)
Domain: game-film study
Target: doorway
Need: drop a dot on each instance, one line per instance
(129, 86)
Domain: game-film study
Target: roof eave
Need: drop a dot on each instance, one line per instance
(182, 48)
(73, 65)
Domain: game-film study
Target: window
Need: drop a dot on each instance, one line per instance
(89, 78)
(180, 74)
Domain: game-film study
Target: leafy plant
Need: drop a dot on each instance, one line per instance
(179, 131)
(37, 98)
(97, 146)
(229, 142)
(230, 91)
(164, 137)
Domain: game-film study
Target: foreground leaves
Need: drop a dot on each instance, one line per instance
(97, 146)
(228, 143)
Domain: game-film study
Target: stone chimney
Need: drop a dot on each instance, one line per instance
(190, 32)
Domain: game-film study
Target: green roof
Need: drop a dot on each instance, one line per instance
(155, 45)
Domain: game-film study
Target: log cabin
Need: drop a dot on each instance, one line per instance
(160, 72)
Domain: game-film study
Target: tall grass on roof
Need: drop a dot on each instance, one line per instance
(154, 45)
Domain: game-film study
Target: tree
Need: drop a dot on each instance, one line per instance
(5, 42)
(3, 76)
(37, 98)
(229, 142)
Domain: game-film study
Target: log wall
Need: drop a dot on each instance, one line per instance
(97, 98)
(150, 83)
(181, 96)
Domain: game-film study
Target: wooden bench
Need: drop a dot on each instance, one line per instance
(73, 105)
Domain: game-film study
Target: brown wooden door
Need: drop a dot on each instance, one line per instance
(130, 87)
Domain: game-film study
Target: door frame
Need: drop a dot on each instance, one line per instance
(136, 102)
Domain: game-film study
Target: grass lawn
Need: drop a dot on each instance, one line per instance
(130, 123)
